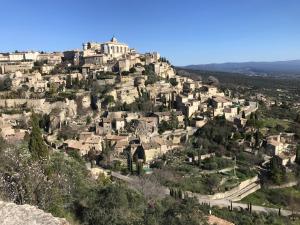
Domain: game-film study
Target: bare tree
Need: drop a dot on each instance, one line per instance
(151, 188)
(213, 81)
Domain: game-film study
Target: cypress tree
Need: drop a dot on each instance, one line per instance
(298, 154)
(36, 145)
(297, 120)
(243, 115)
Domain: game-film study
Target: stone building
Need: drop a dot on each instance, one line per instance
(114, 48)
(97, 59)
(74, 57)
(11, 67)
(91, 46)
(19, 56)
(151, 57)
(51, 58)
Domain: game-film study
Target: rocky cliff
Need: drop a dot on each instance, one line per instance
(13, 214)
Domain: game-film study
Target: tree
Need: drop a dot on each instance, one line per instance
(53, 89)
(212, 182)
(76, 82)
(173, 82)
(163, 126)
(132, 70)
(297, 120)
(5, 84)
(107, 150)
(139, 167)
(113, 204)
(257, 137)
(243, 114)
(213, 81)
(94, 100)
(174, 121)
(169, 125)
(298, 154)
(277, 172)
(186, 211)
(45, 122)
(88, 120)
(139, 158)
(109, 99)
(68, 81)
(36, 145)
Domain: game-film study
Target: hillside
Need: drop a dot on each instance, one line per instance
(278, 68)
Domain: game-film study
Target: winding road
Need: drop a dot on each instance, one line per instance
(223, 203)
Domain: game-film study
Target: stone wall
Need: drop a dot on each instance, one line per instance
(290, 184)
(246, 193)
(16, 103)
(226, 194)
(13, 214)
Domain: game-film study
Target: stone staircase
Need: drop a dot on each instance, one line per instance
(13, 214)
(249, 189)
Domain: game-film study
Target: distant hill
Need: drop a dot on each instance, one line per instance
(279, 68)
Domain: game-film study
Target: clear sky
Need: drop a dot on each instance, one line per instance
(185, 31)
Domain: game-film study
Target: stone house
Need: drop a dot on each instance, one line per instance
(124, 65)
(11, 67)
(164, 70)
(53, 58)
(286, 158)
(219, 103)
(77, 146)
(166, 116)
(151, 57)
(148, 124)
(276, 144)
(10, 134)
(188, 87)
(118, 124)
(106, 124)
(97, 59)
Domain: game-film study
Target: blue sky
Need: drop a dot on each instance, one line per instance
(185, 31)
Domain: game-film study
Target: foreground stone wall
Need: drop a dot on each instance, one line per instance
(13, 214)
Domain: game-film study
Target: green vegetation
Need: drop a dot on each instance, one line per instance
(172, 124)
(244, 217)
(277, 172)
(5, 84)
(216, 134)
(284, 197)
(151, 76)
(216, 163)
(62, 185)
(141, 104)
(36, 144)
(173, 82)
(298, 155)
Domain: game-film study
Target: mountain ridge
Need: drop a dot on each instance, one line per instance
(289, 67)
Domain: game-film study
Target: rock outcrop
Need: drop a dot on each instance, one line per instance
(13, 214)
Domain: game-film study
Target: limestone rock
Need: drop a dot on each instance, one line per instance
(13, 214)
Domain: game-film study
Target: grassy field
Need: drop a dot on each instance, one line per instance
(285, 198)
(272, 122)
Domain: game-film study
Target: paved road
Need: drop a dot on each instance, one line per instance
(223, 203)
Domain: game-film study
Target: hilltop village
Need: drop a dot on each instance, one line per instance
(129, 114)
(109, 93)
